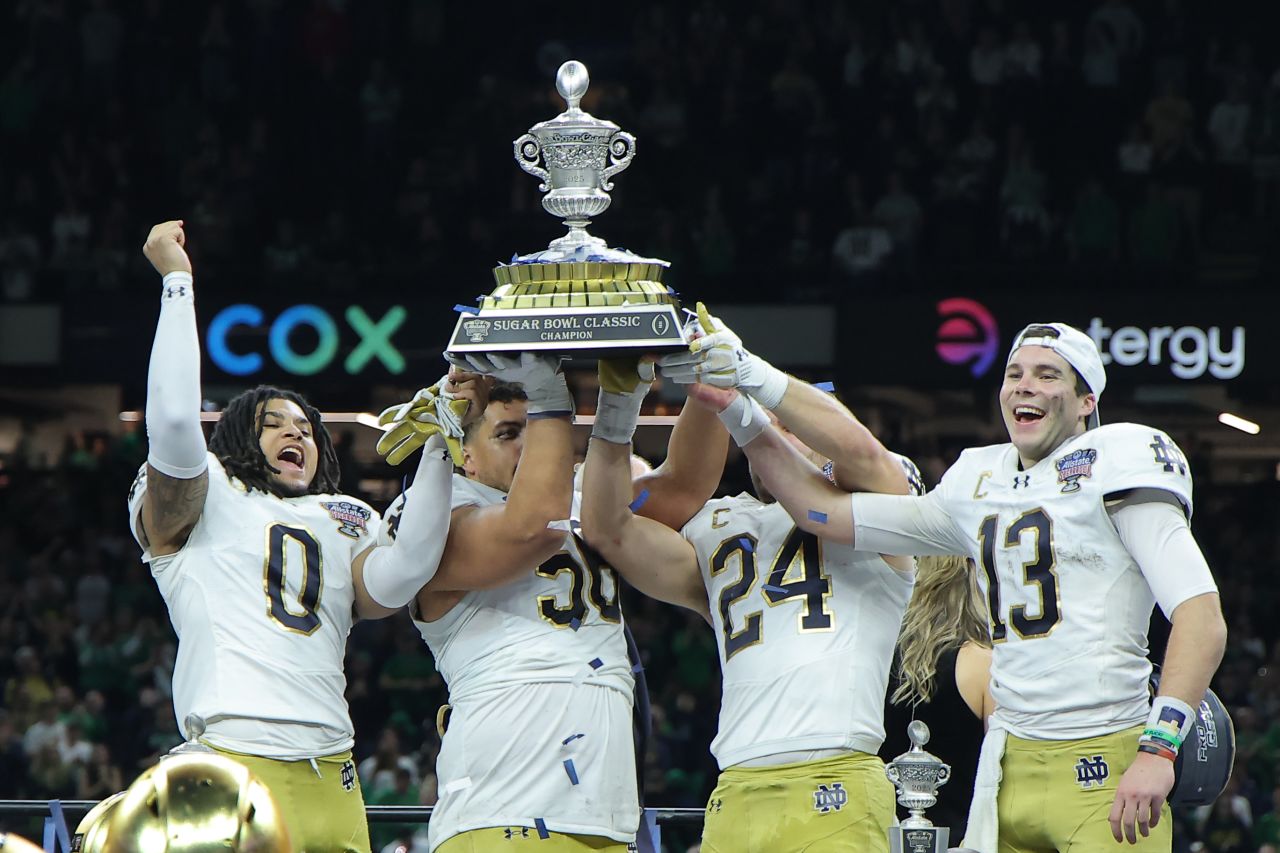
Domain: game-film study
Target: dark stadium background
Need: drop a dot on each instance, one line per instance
(876, 193)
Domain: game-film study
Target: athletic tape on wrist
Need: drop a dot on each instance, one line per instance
(1170, 719)
(617, 416)
(745, 419)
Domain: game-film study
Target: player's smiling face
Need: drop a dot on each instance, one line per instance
(493, 446)
(289, 446)
(1039, 402)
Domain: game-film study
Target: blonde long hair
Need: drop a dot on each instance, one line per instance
(946, 611)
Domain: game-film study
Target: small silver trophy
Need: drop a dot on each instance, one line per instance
(194, 727)
(917, 775)
(577, 295)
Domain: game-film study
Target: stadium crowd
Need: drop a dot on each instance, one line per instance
(832, 144)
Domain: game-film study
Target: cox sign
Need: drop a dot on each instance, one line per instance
(374, 339)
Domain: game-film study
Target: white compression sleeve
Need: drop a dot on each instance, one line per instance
(393, 574)
(176, 441)
(1157, 535)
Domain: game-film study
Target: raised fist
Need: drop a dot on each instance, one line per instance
(165, 248)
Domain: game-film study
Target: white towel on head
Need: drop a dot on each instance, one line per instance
(982, 831)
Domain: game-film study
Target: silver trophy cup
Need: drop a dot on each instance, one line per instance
(917, 775)
(578, 295)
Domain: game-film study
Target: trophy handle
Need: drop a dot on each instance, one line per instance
(528, 151)
(622, 147)
(944, 773)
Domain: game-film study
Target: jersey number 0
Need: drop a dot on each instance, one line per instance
(304, 619)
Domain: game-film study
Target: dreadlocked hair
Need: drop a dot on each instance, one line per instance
(946, 611)
(237, 439)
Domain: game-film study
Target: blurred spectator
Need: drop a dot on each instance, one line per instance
(1094, 230)
(987, 59)
(101, 40)
(19, 260)
(377, 772)
(74, 749)
(1154, 229)
(1022, 56)
(27, 692)
(862, 247)
(400, 793)
(99, 778)
(1123, 30)
(900, 214)
(408, 676)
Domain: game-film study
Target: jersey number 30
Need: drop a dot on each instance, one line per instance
(809, 583)
(302, 617)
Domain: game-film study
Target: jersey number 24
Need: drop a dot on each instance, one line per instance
(806, 581)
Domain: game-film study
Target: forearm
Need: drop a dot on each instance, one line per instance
(393, 573)
(813, 502)
(176, 441)
(1196, 645)
(606, 494)
(689, 476)
(542, 489)
(860, 461)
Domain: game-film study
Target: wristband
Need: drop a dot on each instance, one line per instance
(745, 419)
(1170, 720)
(1161, 751)
(772, 387)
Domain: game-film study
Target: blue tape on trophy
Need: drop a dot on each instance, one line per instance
(776, 590)
(571, 770)
(464, 309)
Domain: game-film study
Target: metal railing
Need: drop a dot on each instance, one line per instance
(75, 809)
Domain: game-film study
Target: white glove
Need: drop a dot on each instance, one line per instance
(718, 358)
(540, 376)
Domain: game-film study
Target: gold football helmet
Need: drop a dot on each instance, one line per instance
(10, 843)
(91, 833)
(197, 803)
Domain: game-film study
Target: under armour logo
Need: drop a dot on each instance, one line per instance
(830, 799)
(1091, 771)
(348, 775)
(1024, 481)
(1168, 455)
(714, 805)
(516, 832)
(175, 290)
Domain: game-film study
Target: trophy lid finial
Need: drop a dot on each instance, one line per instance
(918, 732)
(572, 81)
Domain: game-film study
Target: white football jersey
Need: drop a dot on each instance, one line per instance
(1069, 605)
(261, 599)
(805, 628)
(538, 676)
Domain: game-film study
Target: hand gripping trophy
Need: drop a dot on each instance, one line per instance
(917, 775)
(578, 295)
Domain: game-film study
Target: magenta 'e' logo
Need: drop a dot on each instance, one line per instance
(968, 333)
